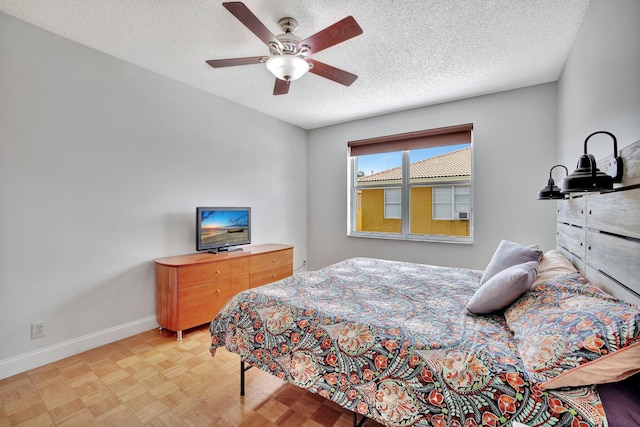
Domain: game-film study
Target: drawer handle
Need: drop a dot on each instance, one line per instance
(218, 272)
(217, 291)
(274, 260)
(273, 276)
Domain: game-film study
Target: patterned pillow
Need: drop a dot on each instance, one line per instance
(569, 333)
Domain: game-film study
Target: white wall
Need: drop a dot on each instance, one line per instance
(514, 147)
(102, 165)
(600, 85)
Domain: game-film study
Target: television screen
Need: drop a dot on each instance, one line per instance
(219, 228)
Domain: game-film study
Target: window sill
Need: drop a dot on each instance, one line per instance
(414, 238)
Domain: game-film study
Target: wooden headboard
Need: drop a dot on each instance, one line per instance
(600, 232)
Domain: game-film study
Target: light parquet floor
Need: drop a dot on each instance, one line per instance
(153, 380)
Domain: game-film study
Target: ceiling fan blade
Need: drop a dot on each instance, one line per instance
(232, 62)
(281, 87)
(332, 35)
(332, 73)
(244, 15)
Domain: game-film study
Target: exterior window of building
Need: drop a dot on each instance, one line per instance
(392, 203)
(451, 202)
(414, 186)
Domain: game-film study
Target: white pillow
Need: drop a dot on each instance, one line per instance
(507, 255)
(502, 289)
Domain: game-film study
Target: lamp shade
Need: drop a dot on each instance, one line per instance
(551, 191)
(587, 177)
(287, 67)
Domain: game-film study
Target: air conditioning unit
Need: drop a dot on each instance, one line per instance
(462, 215)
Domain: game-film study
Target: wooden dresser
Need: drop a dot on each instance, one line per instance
(191, 289)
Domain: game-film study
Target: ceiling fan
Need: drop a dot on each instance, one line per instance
(289, 55)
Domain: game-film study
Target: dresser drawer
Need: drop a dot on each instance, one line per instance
(196, 316)
(209, 293)
(199, 274)
(263, 277)
(198, 305)
(271, 260)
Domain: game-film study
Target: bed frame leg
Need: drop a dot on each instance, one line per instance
(355, 420)
(243, 369)
(241, 378)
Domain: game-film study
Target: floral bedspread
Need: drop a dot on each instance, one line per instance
(391, 340)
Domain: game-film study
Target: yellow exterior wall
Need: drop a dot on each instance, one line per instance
(421, 216)
(370, 215)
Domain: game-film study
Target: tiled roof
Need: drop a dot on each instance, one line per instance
(454, 164)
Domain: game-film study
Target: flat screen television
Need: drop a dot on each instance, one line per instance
(220, 229)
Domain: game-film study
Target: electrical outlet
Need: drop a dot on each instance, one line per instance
(37, 330)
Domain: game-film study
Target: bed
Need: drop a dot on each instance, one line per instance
(531, 339)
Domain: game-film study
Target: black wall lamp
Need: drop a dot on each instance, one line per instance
(551, 191)
(587, 177)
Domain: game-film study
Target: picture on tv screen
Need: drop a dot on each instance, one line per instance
(221, 227)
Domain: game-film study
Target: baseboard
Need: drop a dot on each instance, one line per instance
(33, 359)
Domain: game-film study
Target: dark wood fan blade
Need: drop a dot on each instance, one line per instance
(332, 35)
(331, 73)
(244, 15)
(281, 87)
(232, 62)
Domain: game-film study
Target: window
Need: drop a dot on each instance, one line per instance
(392, 205)
(451, 202)
(414, 186)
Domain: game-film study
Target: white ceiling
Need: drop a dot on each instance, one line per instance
(412, 53)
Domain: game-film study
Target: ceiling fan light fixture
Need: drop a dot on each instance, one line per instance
(287, 67)
(288, 53)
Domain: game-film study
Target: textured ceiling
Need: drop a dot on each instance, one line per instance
(412, 52)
